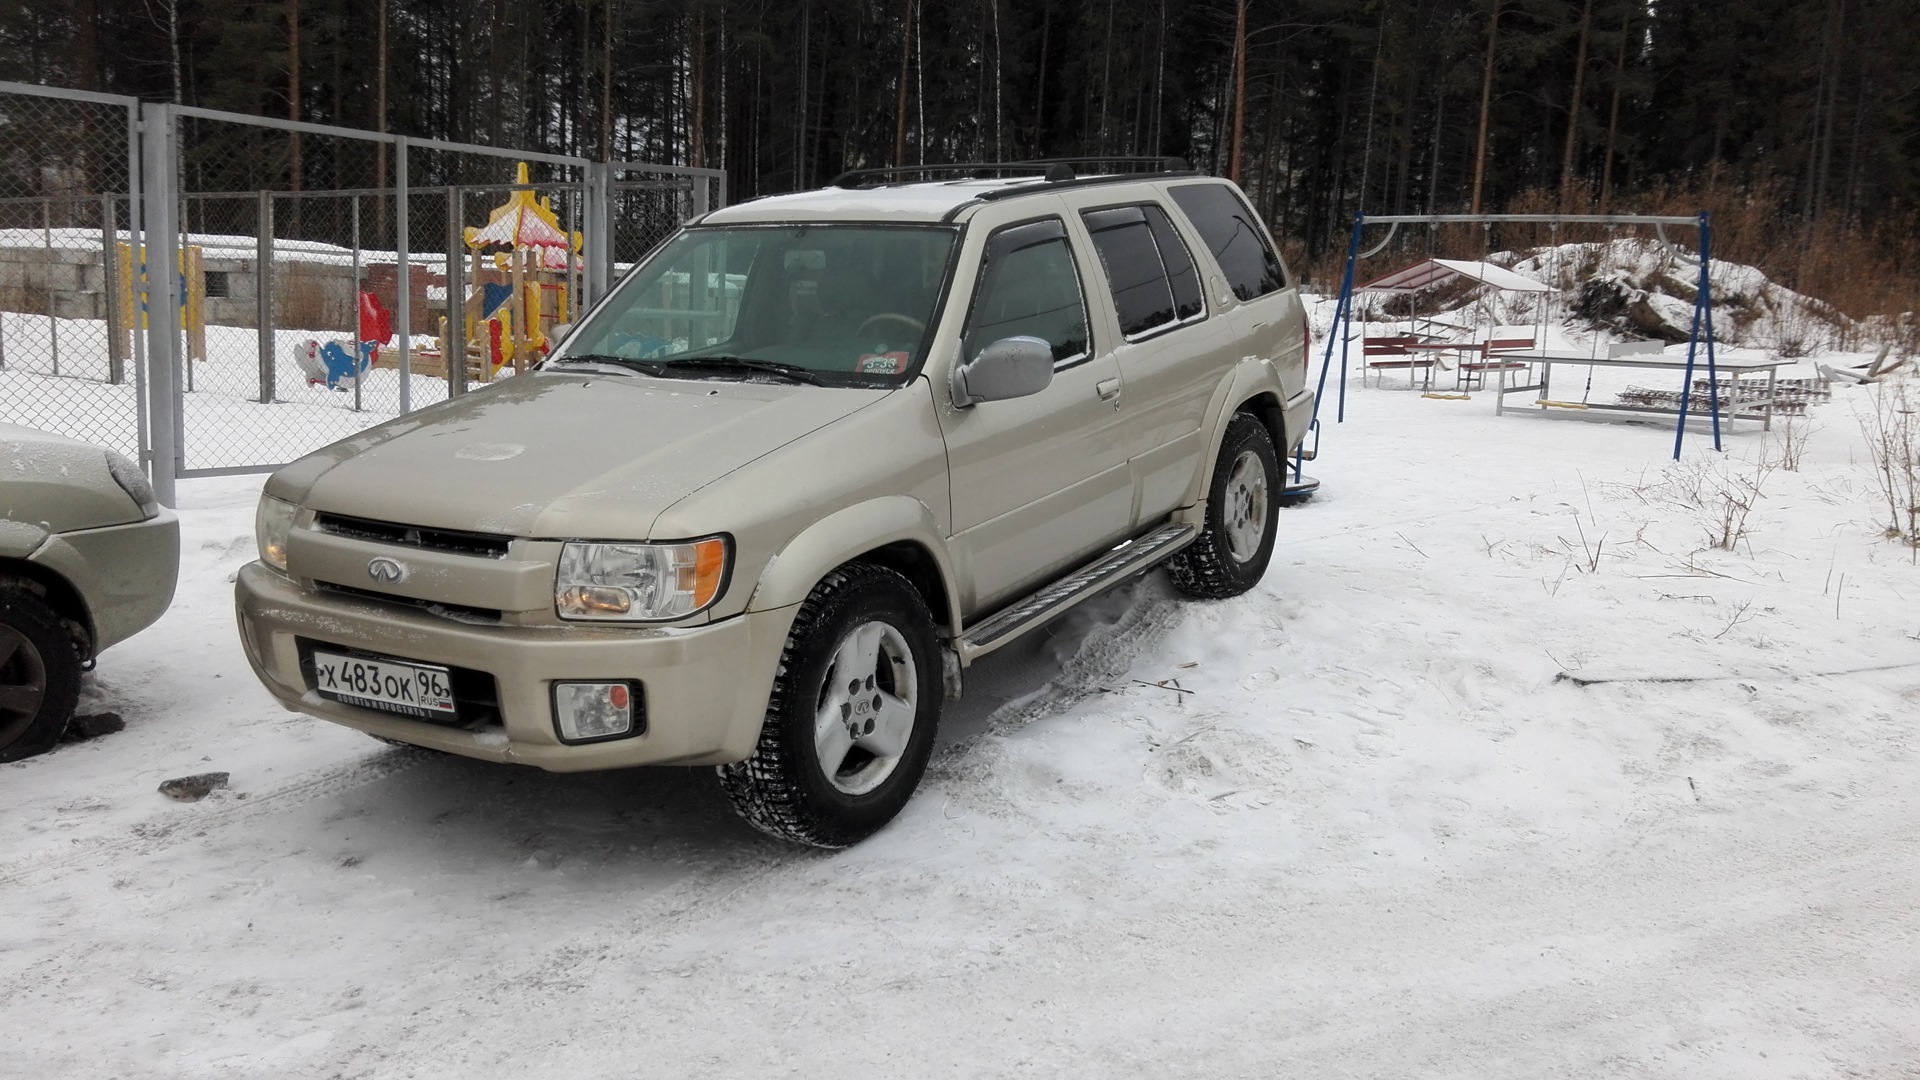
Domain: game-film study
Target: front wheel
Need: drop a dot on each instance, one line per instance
(1236, 544)
(851, 719)
(39, 675)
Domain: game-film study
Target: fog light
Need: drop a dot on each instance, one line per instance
(592, 711)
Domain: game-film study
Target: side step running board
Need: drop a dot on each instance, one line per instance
(1108, 570)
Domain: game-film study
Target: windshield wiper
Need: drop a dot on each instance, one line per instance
(648, 367)
(669, 367)
(740, 363)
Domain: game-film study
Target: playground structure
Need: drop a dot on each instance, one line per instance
(1701, 330)
(130, 301)
(517, 288)
(1413, 351)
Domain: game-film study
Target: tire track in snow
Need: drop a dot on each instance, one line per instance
(162, 831)
(713, 881)
(1104, 654)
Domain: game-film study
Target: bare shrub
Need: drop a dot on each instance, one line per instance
(1791, 442)
(1893, 438)
(1721, 494)
(1734, 496)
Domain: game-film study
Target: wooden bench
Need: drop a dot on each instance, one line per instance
(1391, 353)
(1491, 359)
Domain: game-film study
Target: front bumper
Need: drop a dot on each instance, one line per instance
(125, 573)
(705, 687)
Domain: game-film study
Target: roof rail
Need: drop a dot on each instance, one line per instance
(1044, 171)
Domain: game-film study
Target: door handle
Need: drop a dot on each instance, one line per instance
(1108, 389)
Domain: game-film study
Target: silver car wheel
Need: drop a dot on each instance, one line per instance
(1246, 506)
(868, 702)
(23, 683)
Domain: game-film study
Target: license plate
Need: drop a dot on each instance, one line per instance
(388, 685)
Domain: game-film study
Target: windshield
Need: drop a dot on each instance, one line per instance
(845, 303)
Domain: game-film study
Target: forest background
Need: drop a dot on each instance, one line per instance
(1796, 122)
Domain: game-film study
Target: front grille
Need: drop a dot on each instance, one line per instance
(455, 612)
(455, 541)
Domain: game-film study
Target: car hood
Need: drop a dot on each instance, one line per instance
(561, 455)
(50, 483)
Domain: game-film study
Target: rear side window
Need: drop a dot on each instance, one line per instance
(1029, 287)
(1142, 295)
(1227, 226)
(1180, 269)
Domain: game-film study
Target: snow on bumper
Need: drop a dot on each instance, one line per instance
(705, 688)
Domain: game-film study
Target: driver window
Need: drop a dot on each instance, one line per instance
(1029, 286)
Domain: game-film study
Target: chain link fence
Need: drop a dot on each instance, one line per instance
(647, 203)
(69, 266)
(323, 279)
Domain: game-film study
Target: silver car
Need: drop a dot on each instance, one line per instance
(812, 458)
(87, 559)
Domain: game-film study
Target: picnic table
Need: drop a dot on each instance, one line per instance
(1748, 388)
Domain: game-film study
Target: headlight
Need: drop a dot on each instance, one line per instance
(271, 525)
(640, 582)
(134, 483)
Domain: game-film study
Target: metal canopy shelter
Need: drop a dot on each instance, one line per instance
(1702, 305)
(1434, 271)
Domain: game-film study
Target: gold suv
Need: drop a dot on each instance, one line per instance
(812, 458)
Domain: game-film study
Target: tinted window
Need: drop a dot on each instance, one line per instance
(1141, 294)
(1180, 269)
(1029, 287)
(1227, 226)
(849, 300)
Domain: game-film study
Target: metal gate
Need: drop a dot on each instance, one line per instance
(71, 359)
(293, 317)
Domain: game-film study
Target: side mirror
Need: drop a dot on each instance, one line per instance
(1009, 368)
(560, 332)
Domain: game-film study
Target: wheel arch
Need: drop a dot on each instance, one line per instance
(913, 560)
(897, 532)
(1265, 407)
(55, 589)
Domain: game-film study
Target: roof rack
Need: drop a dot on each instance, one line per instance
(1044, 171)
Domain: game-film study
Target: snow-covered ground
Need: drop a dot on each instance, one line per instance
(1501, 772)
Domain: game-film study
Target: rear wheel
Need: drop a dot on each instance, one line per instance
(1242, 509)
(39, 675)
(851, 719)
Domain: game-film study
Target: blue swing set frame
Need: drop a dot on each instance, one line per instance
(1702, 304)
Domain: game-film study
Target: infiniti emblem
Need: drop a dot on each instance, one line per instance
(386, 571)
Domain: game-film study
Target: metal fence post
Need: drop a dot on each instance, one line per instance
(263, 289)
(454, 340)
(403, 296)
(136, 285)
(53, 321)
(162, 298)
(701, 198)
(354, 293)
(599, 224)
(110, 290)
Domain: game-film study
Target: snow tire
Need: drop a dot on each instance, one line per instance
(40, 668)
(1245, 492)
(783, 789)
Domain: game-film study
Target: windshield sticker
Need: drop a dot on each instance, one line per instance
(887, 363)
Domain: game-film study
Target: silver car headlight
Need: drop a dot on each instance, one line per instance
(134, 483)
(272, 524)
(640, 582)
